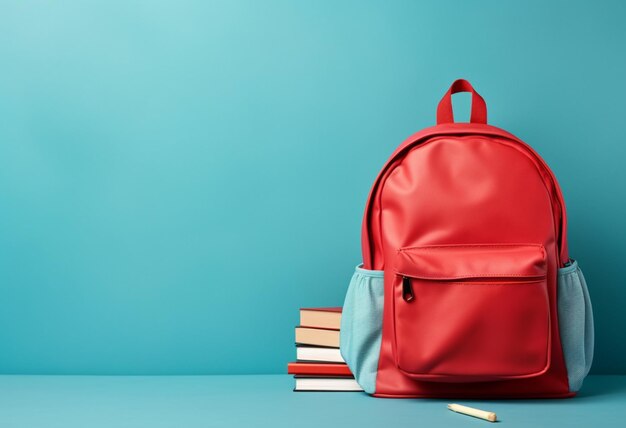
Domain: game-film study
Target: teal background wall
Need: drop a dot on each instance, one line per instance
(178, 178)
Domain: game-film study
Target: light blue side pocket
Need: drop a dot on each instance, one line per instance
(362, 325)
(575, 324)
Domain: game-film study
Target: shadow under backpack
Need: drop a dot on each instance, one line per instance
(466, 287)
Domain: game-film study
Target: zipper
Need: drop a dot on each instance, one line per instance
(407, 289)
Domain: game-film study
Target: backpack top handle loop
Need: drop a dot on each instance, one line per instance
(444, 109)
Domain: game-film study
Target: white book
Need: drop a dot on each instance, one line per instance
(326, 384)
(313, 353)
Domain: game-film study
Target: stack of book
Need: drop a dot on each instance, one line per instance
(319, 365)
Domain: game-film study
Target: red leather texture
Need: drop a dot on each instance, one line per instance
(370, 233)
(448, 262)
(481, 313)
(476, 219)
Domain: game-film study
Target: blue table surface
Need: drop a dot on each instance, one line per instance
(268, 400)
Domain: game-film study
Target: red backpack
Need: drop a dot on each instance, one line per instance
(466, 287)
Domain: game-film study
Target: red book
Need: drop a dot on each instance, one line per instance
(319, 369)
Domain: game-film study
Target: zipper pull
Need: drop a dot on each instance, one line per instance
(407, 289)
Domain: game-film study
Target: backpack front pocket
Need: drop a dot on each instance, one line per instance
(471, 313)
